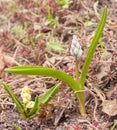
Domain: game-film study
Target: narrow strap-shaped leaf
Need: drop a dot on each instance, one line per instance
(45, 71)
(92, 48)
(14, 98)
(49, 94)
(35, 108)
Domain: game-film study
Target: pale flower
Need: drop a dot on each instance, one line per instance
(25, 100)
(30, 104)
(26, 97)
(25, 89)
(76, 49)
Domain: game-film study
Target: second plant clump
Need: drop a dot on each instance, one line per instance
(77, 85)
(28, 108)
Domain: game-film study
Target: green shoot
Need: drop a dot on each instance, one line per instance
(16, 127)
(114, 125)
(54, 22)
(54, 44)
(19, 30)
(65, 3)
(88, 22)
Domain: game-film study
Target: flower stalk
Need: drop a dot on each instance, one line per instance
(77, 70)
(76, 51)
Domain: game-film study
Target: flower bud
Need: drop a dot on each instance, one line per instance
(25, 89)
(76, 49)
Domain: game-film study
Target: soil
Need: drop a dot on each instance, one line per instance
(26, 31)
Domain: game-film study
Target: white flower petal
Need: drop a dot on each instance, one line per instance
(25, 101)
(30, 104)
(25, 89)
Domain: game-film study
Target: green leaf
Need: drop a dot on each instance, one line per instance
(49, 94)
(65, 3)
(92, 48)
(45, 71)
(14, 98)
(19, 31)
(54, 44)
(88, 23)
(45, 98)
(35, 108)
